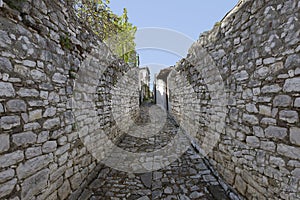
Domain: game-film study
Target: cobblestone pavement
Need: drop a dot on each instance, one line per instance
(186, 178)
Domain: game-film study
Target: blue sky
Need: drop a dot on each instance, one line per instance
(188, 18)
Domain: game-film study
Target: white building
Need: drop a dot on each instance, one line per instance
(161, 91)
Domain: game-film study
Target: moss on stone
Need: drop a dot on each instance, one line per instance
(65, 42)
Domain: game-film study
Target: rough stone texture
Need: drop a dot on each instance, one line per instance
(24, 92)
(9, 122)
(24, 138)
(16, 106)
(51, 123)
(295, 135)
(7, 188)
(49, 146)
(6, 90)
(288, 151)
(6, 175)
(292, 85)
(252, 141)
(11, 158)
(188, 176)
(250, 58)
(282, 101)
(275, 132)
(33, 165)
(41, 78)
(33, 152)
(237, 95)
(1, 108)
(64, 190)
(297, 103)
(4, 142)
(289, 116)
(34, 184)
(34, 115)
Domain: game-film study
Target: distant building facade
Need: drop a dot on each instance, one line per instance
(161, 91)
(144, 83)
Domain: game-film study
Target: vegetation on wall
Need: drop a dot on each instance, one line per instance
(114, 30)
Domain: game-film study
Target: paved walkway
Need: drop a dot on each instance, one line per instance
(186, 178)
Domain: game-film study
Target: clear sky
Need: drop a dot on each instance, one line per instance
(188, 18)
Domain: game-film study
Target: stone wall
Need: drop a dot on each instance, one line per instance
(238, 94)
(56, 86)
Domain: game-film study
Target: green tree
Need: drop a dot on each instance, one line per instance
(114, 30)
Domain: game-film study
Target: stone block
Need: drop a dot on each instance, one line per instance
(21, 70)
(24, 92)
(63, 158)
(251, 119)
(296, 173)
(75, 181)
(59, 78)
(262, 72)
(5, 62)
(265, 110)
(50, 112)
(37, 75)
(4, 142)
(9, 122)
(288, 151)
(16, 105)
(11, 158)
(252, 141)
(240, 76)
(34, 115)
(7, 90)
(57, 173)
(292, 61)
(31, 126)
(33, 152)
(289, 116)
(282, 101)
(49, 146)
(7, 188)
(251, 108)
(295, 135)
(292, 85)
(34, 184)
(51, 123)
(277, 161)
(268, 146)
(33, 165)
(275, 132)
(24, 138)
(258, 131)
(1, 108)
(43, 137)
(6, 175)
(268, 61)
(240, 184)
(64, 190)
(271, 89)
(297, 103)
(29, 63)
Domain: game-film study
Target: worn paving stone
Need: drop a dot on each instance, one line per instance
(186, 178)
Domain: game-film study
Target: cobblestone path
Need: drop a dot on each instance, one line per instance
(186, 178)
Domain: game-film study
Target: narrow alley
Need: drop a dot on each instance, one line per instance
(186, 178)
(82, 117)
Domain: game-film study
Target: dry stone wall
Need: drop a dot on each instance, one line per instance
(56, 79)
(242, 93)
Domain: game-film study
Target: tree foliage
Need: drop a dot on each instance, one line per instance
(114, 30)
